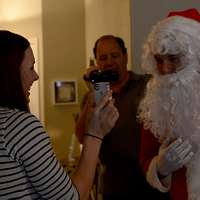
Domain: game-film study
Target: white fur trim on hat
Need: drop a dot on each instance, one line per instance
(173, 35)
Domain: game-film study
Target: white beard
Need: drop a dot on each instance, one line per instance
(171, 108)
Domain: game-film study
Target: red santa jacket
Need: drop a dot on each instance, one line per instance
(149, 149)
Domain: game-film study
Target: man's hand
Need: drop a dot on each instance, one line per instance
(86, 76)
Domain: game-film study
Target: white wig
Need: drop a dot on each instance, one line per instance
(173, 35)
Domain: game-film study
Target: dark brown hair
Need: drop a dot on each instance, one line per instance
(119, 41)
(12, 49)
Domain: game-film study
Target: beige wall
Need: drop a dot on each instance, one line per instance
(64, 58)
(107, 17)
(17, 16)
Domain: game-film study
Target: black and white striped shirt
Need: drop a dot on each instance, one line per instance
(28, 167)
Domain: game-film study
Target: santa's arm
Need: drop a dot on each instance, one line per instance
(148, 160)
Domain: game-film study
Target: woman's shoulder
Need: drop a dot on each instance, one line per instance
(13, 119)
(8, 113)
(19, 129)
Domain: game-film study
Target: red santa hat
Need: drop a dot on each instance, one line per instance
(191, 13)
(186, 22)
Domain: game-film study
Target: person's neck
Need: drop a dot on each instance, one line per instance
(117, 86)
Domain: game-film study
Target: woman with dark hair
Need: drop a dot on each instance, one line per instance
(12, 50)
(28, 167)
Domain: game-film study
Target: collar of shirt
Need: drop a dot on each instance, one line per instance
(118, 87)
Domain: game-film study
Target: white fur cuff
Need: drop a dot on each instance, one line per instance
(154, 181)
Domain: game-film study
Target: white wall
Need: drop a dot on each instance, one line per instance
(107, 17)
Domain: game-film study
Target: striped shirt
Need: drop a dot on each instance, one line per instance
(28, 167)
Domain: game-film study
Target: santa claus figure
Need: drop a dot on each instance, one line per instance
(170, 110)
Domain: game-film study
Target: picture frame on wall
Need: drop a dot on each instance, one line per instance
(65, 92)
